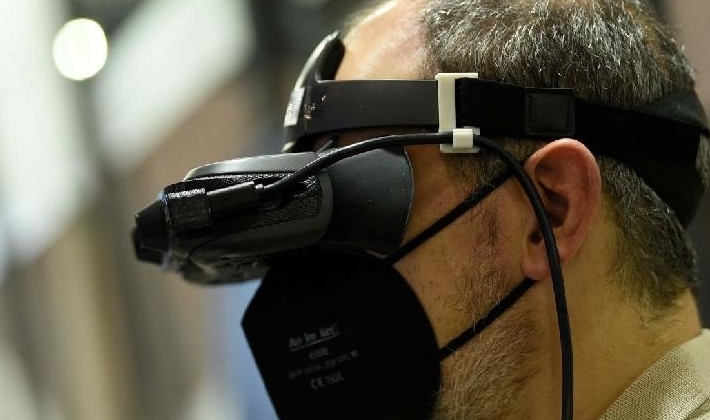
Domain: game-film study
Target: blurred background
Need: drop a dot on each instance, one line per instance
(104, 102)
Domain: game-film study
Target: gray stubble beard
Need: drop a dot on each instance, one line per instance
(485, 379)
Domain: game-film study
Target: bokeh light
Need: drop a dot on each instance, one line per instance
(80, 49)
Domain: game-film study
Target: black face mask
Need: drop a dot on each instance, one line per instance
(339, 335)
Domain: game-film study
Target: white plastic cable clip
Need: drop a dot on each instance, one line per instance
(463, 137)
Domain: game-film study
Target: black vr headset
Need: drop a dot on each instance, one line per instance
(235, 220)
(225, 220)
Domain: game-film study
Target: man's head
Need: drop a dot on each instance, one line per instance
(621, 245)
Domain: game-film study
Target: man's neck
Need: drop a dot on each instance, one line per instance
(612, 354)
(612, 348)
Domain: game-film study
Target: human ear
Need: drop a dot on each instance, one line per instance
(567, 177)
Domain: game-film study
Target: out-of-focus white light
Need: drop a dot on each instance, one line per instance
(80, 49)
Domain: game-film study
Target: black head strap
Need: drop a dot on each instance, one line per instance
(659, 141)
(660, 144)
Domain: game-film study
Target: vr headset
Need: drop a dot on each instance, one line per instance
(219, 226)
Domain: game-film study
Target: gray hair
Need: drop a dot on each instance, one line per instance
(615, 52)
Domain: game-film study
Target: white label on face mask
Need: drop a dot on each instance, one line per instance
(320, 382)
(322, 364)
(313, 338)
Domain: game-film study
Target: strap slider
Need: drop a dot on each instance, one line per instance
(463, 137)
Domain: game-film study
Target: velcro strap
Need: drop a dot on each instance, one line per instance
(513, 110)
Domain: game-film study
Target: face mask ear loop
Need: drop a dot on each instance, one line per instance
(449, 217)
(484, 322)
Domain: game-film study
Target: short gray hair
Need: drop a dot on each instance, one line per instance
(615, 52)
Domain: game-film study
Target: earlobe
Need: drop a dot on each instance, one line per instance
(568, 180)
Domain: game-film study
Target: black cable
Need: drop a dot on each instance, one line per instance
(553, 260)
(228, 200)
(289, 182)
(558, 286)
